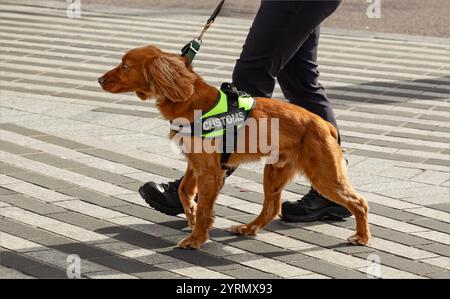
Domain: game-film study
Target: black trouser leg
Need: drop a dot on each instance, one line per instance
(305, 90)
(282, 43)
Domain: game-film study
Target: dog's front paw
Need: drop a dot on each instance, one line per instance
(191, 242)
(358, 239)
(245, 229)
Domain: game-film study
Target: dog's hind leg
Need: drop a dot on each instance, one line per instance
(187, 192)
(325, 168)
(275, 178)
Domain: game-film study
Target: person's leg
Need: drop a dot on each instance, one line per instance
(278, 32)
(299, 80)
(299, 83)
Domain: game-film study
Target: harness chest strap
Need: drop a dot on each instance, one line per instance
(223, 120)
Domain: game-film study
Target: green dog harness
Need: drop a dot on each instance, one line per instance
(223, 120)
(231, 110)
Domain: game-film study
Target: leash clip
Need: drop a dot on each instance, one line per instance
(192, 48)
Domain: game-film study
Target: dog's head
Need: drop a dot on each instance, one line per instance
(151, 73)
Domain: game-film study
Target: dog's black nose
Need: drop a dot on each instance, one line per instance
(101, 80)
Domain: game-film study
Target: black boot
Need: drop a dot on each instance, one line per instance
(163, 197)
(312, 207)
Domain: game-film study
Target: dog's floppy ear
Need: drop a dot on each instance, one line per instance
(170, 77)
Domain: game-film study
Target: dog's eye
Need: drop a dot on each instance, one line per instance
(125, 66)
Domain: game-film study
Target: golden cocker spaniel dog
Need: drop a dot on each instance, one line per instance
(307, 144)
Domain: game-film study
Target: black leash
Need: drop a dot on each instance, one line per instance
(191, 49)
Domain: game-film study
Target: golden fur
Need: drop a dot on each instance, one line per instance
(307, 144)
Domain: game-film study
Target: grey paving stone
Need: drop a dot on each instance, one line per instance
(433, 224)
(4, 191)
(229, 213)
(418, 137)
(128, 266)
(313, 238)
(199, 258)
(103, 175)
(136, 103)
(366, 120)
(435, 117)
(45, 83)
(249, 273)
(148, 214)
(83, 97)
(440, 275)
(7, 273)
(21, 230)
(31, 204)
(352, 139)
(439, 108)
(34, 63)
(156, 169)
(387, 156)
(221, 235)
(26, 90)
(401, 145)
(49, 57)
(252, 245)
(392, 213)
(297, 188)
(242, 218)
(135, 163)
(83, 250)
(81, 220)
(437, 248)
(401, 263)
(438, 162)
(441, 207)
(30, 266)
(62, 142)
(426, 127)
(9, 169)
(132, 186)
(242, 194)
(328, 269)
(21, 71)
(446, 152)
(55, 161)
(388, 234)
(134, 237)
(411, 105)
(288, 256)
(347, 248)
(359, 129)
(412, 96)
(42, 180)
(16, 149)
(127, 112)
(93, 197)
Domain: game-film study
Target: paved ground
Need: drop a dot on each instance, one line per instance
(429, 17)
(72, 157)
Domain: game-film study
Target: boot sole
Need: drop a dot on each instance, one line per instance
(160, 208)
(331, 213)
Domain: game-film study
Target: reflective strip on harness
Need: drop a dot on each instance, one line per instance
(224, 115)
